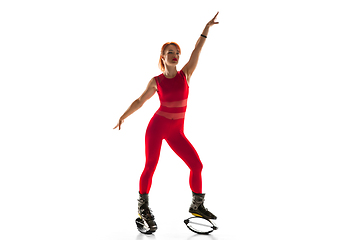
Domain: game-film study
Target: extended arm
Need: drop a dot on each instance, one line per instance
(147, 94)
(189, 68)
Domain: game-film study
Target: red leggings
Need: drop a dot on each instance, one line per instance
(172, 131)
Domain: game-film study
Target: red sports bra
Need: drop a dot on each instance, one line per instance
(173, 94)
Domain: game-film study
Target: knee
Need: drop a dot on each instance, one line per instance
(149, 168)
(198, 166)
(201, 166)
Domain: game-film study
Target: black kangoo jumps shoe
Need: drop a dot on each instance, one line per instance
(146, 223)
(197, 207)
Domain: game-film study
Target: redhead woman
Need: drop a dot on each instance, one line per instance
(167, 123)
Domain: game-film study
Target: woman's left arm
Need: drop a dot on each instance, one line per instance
(189, 68)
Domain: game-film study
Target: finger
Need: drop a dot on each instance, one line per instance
(216, 15)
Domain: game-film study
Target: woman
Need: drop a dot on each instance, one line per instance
(168, 123)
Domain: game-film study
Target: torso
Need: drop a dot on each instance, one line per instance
(173, 94)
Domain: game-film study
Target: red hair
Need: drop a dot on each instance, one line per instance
(161, 63)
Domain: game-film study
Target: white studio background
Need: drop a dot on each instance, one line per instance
(273, 113)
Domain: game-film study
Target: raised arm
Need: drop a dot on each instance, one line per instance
(189, 68)
(147, 94)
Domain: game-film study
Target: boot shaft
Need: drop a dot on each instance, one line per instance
(198, 200)
(143, 200)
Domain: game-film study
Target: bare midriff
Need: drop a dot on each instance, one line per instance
(173, 110)
(176, 104)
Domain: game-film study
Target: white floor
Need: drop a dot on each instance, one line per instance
(111, 216)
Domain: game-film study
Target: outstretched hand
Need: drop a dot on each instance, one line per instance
(212, 21)
(119, 124)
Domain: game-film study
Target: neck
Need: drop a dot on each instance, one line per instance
(170, 72)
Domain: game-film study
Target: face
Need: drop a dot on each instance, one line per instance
(171, 55)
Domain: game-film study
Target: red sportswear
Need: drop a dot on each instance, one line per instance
(168, 123)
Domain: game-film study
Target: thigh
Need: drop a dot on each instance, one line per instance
(185, 150)
(153, 140)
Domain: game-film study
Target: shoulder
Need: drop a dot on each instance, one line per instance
(159, 78)
(152, 83)
(155, 81)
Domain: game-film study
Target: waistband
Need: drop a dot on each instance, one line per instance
(172, 110)
(171, 115)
